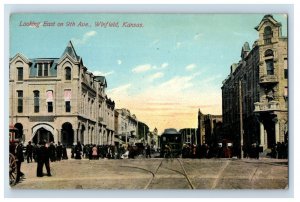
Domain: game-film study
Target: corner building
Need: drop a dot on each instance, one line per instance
(255, 94)
(58, 99)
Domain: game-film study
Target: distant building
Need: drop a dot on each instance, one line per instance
(125, 127)
(189, 135)
(58, 99)
(254, 95)
(143, 133)
(209, 129)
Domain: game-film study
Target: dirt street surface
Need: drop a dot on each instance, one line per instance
(157, 173)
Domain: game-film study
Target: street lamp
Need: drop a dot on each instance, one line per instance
(241, 118)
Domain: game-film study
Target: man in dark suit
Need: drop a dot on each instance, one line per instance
(29, 151)
(59, 151)
(19, 159)
(43, 157)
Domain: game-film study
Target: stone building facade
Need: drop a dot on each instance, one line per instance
(209, 129)
(254, 95)
(58, 99)
(126, 126)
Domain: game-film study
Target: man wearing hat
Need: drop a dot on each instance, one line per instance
(19, 158)
(29, 151)
(43, 157)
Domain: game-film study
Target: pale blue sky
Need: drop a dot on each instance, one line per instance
(174, 63)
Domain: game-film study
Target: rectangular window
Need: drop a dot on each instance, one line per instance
(67, 95)
(20, 101)
(40, 69)
(49, 100)
(270, 67)
(285, 91)
(68, 106)
(285, 94)
(36, 101)
(20, 74)
(46, 69)
(50, 106)
(285, 68)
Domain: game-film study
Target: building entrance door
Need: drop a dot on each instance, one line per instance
(270, 128)
(42, 134)
(67, 132)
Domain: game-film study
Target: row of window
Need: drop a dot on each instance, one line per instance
(43, 71)
(36, 101)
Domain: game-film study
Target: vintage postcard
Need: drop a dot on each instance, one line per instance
(148, 101)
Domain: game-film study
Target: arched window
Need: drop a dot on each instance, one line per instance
(269, 52)
(68, 73)
(268, 30)
(268, 34)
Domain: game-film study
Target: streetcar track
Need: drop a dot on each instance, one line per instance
(185, 174)
(160, 166)
(150, 181)
(216, 182)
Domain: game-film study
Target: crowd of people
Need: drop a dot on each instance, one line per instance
(44, 153)
(94, 152)
(279, 150)
(56, 152)
(206, 151)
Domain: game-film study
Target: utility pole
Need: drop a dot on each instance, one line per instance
(144, 134)
(241, 119)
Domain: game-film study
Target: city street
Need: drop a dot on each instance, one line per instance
(158, 173)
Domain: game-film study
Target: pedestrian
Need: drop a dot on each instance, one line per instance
(52, 152)
(19, 160)
(59, 151)
(29, 151)
(148, 151)
(94, 152)
(64, 152)
(43, 157)
(78, 150)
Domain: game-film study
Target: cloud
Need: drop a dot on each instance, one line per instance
(147, 67)
(120, 89)
(212, 78)
(155, 76)
(164, 65)
(141, 68)
(173, 103)
(98, 73)
(190, 67)
(119, 62)
(198, 36)
(84, 38)
(178, 83)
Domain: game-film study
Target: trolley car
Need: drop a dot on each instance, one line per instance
(12, 158)
(170, 143)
